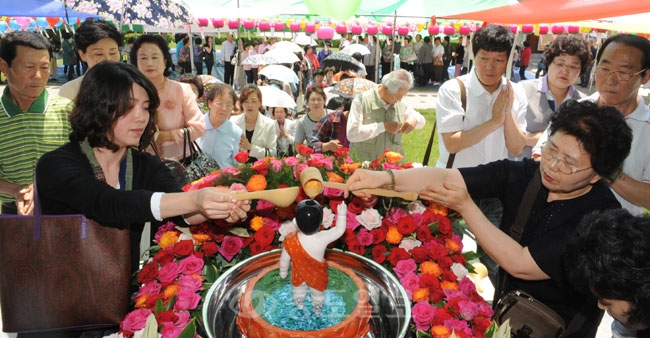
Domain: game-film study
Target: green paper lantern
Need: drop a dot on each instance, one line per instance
(339, 10)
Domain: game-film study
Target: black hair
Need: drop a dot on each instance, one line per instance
(158, 41)
(9, 44)
(427, 39)
(309, 216)
(335, 103)
(92, 31)
(192, 79)
(569, 45)
(198, 41)
(357, 56)
(221, 90)
(493, 38)
(319, 71)
(247, 91)
(437, 38)
(317, 90)
(602, 131)
(635, 41)
(526, 44)
(608, 255)
(105, 96)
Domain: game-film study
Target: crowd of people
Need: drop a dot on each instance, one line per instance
(101, 142)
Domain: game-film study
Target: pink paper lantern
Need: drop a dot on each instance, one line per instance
(279, 26)
(434, 30)
(449, 30)
(202, 22)
(341, 28)
(249, 24)
(356, 29)
(543, 29)
(573, 29)
(513, 28)
(372, 30)
(403, 30)
(527, 28)
(217, 23)
(310, 28)
(387, 30)
(233, 24)
(264, 26)
(295, 27)
(557, 29)
(325, 33)
(465, 30)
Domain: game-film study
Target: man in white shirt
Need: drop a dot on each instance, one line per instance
(227, 53)
(369, 59)
(379, 117)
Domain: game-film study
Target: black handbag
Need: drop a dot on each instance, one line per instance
(418, 71)
(199, 164)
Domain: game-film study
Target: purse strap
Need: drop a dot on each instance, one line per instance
(463, 102)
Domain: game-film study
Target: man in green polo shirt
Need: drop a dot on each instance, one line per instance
(32, 122)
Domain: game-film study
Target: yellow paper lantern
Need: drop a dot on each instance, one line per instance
(420, 27)
(585, 30)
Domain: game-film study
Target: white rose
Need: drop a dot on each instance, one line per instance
(370, 218)
(416, 207)
(408, 244)
(328, 218)
(459, 270)
(287, 228)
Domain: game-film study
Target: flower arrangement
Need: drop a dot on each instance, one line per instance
(416, 241)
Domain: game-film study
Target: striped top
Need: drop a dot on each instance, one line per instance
(26, 135)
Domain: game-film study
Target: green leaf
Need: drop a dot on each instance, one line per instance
(159, 306)
(184, 230)
(423, 334)
(189, 331)
(241, 232)
(471, 255)
(210, 273)
(171, 303)
(151, 327)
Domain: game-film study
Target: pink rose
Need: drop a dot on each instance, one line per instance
(230, 247)
(457, 325)
(364, 237)
(272, 222)
(238, 187)
(370, 219)
(291, 161)
(468, 309)
(135, 320)
(416, 207)
(404, 267)
(352, 222)
(276, 165)
(186, 300)
(191, 283)
(332, 193)
(395, 214)
(169, 226)
(422, 313)
(150, 288)
(409, 244)
(183, 318)
(191, 265)
(410, 282)
(169, 330)
(264, 206)
(169, 272)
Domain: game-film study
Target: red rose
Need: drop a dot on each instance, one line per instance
(241, 157)
(209, 249)
(419, 254)
(436, 295)
(444, 225)
(442, 313)
(261, 167)
(356, 206)
(265, 235)
(334, 203)
(396, 255)
(341, 152)
(458, 258)
(428, 217)
(429, 281)
(423, 233)
(406, 225)
(166, 317)
(355, 247)
(378, 236)
(449, 275)
(480, 325)
(256, 248)
(148, 273)
(164, 256)
(305, 150)
(151, 301)
(379, 254)
(184, 248)
(445, 262)
(437, 251)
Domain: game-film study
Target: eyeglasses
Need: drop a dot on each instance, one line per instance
(552, 156)
(618, 74)
(562, 65)
(229, 106)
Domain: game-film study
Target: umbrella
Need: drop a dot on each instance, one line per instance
(287, 45)
(352, 86)
(341, 61)
(356, 48)
(259, 59)
(274, 97)
(305, 40)
(160, 13)
(282, 56)
(279, 72)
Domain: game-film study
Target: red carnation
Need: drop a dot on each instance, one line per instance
(305, 150)
(379, 254)
(265, 235)
(378, 236)
(148, 273)
(241, 157)
(396, 255)
(184, 248)
(356, 206)
(406, 225)
(209, 249)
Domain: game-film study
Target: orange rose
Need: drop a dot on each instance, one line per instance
(171, 290)
(440, 331)
(168, 239)
(257, 223)
(420, 295)
(452, 246)
(393, 157)
(438, 209)
(430, 268)
(349, 168)
(200, 238)
(334, 177)
(393, 236)
(256, 183)
(141, 302)
(447, 285)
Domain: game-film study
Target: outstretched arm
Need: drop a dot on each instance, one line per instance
(335, 233)
(285, 259)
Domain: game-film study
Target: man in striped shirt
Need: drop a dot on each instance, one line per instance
(32, 122)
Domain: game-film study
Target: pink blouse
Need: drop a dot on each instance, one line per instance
(178, 109)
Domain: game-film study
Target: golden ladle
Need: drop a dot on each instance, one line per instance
(280, 197)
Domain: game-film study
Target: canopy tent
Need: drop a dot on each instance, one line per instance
(39, 8)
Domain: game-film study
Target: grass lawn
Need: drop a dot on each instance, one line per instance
(415, 143)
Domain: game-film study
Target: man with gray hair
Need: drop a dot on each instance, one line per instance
(379, 117)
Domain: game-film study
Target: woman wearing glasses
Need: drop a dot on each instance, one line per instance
(221, 138)
(566, 59)
(586, 143)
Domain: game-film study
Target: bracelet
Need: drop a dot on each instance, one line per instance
(392, 179)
